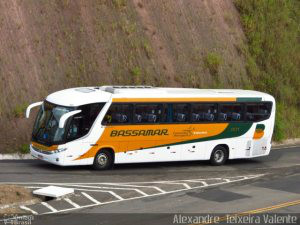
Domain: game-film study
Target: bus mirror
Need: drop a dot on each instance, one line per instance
(64, 117)
(32, 106)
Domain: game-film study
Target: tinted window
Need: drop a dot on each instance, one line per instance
(167, 114)
(258, 111)
(81, 123)
(46, 128)
(147, 113)
(181, 112)
(118, 114)
(203, 112)
(230, 112)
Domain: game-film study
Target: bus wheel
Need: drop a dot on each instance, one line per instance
(218, 156)
(103, 160)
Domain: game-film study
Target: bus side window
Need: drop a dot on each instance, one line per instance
(231, 112)
(181, 112)
(147, 113)
(167, 113)
(118, 114)
(258, 111)
(203, 112)
(81, 123)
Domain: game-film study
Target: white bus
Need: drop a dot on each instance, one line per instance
(107, 125)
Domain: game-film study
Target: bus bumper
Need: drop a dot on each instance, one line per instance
(54, 158)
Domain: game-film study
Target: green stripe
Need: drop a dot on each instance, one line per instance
(231, 131)
(260, 127)
(243, 99)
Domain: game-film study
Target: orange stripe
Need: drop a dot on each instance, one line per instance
(258, 134)
(43, 147)
(174, 100)
(176, 133)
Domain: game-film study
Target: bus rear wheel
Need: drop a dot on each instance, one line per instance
(219, 156)
(103, 160)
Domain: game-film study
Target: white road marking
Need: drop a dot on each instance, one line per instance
(117, 196)
(141, 192)
(110, 192)
(102, 187)
(90, 198)
(28, 209)
(139, 197)
(134, 186)
(122, 188)
(184, 184)
(142, 182)
(49, 206)
(254, 176)
(72, 203)
(140, 186)
(165, 181)
(198, 181)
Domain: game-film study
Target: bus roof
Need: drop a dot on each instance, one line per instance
(87, 95)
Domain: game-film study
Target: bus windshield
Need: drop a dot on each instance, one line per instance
(46, 128)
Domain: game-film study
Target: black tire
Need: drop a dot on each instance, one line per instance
(219, 156)
(103, 160)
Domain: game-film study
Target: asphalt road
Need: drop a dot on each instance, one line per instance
(162, 193)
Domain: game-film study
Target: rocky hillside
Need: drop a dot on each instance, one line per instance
(51, 45)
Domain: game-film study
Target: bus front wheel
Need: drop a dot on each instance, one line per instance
(219, 156)
(103, 160)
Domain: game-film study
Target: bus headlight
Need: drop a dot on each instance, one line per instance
(60, 150)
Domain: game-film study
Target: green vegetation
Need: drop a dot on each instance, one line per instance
(163, 43)
(136, 74)
(118, 4)
(19, 110)
(273, 54)
(136, 71)
(212, 62)
(148, 50)
(24, 149)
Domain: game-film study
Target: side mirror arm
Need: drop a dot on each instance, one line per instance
(32, 106)
(64, 117)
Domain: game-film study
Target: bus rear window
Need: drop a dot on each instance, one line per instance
(258, 111)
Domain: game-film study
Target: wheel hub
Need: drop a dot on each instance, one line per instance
(102, 159)
(219, 156)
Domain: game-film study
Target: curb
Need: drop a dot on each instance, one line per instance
(287, 143)
(29, 202)
(15, 156)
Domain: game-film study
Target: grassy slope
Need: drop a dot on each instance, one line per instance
(273, 56)
(50, 45)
